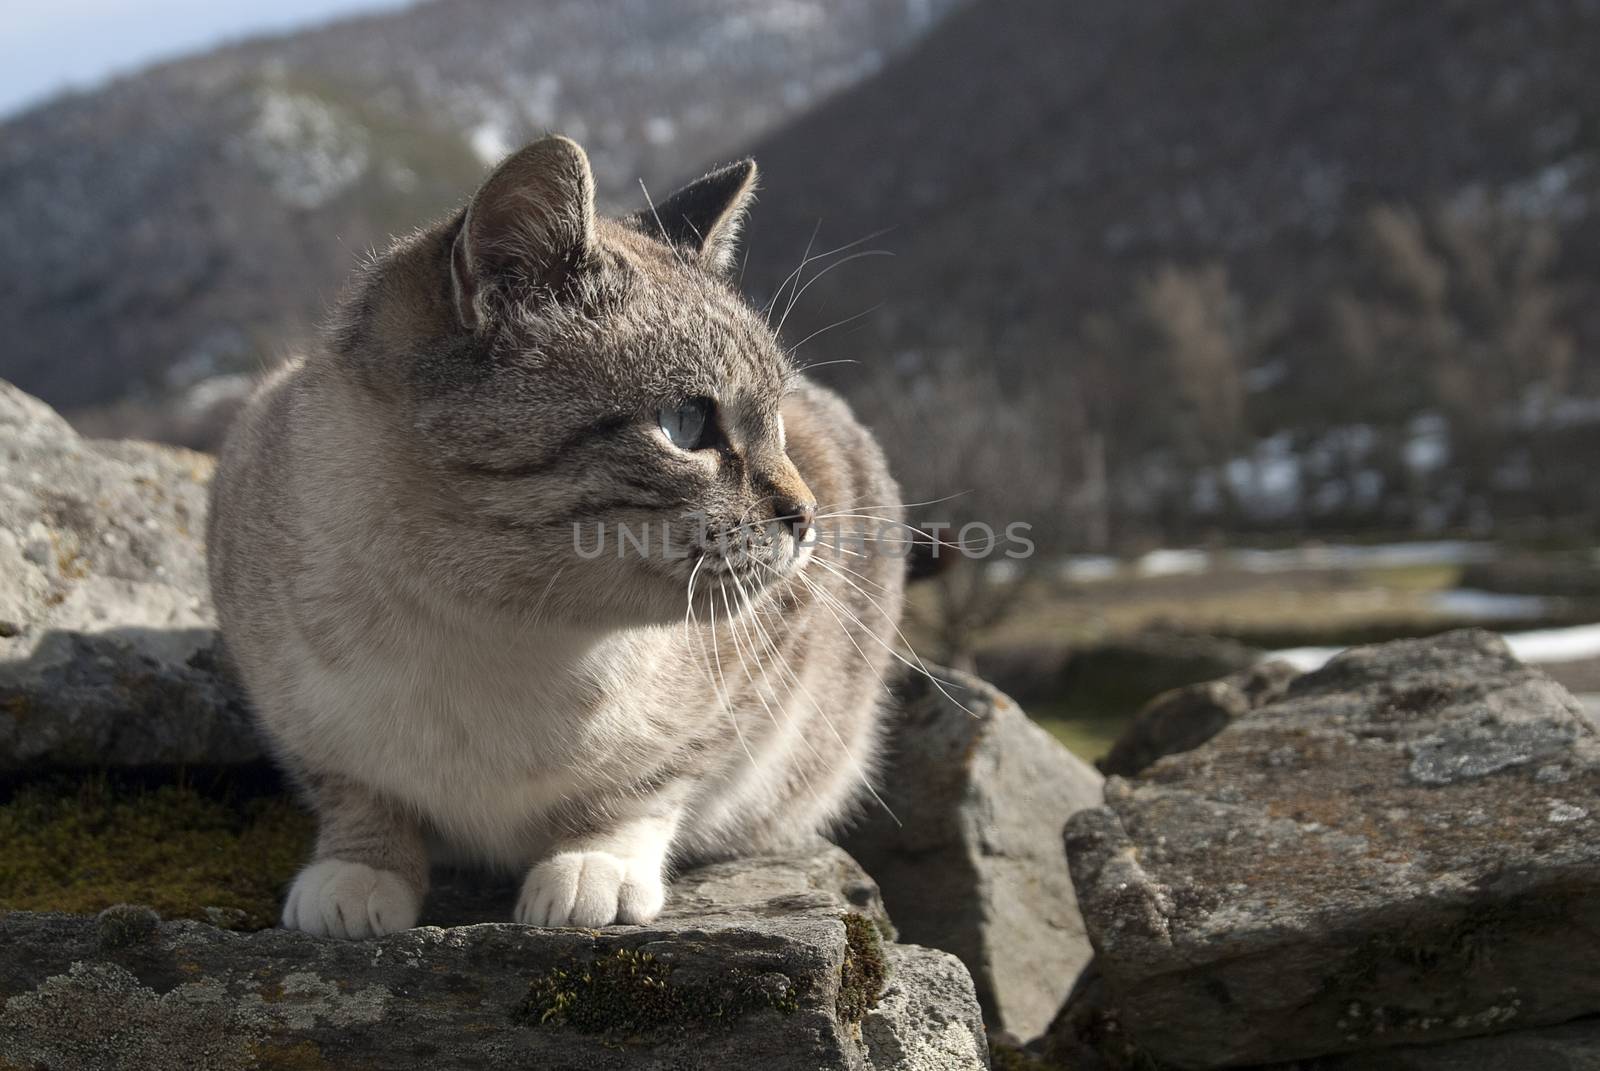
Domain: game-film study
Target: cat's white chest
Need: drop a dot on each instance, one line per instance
(481, 734)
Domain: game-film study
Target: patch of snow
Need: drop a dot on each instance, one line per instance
(1002, 572)
(1489, 605)
(1556, 644)
(1356, 556)
(489, 141)
(310, 150)
(1085, 568)
(1267, 482)
(1538, 646)
(1553, 192)
(1173, 563)
(1427, 446)
(217, 389)
(215, 351)
(660, 130)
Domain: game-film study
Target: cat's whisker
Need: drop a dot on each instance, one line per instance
(919, 665)
(926, 537)
(544, 599)
(857, 504)
(793, 277)
(781, 729)
(722, 692)
(673, 246)
(841, 262)
(850, 756)
(863, 577)
(824, 330)
(800, 370)
(807, 259)
(827, 598)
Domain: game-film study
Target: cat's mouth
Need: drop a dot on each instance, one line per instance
(743, 572)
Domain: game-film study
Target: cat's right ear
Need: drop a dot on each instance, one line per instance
(530, 226)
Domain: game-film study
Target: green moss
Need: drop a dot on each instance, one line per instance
(864, 972)
(84, 848)
(626, 992)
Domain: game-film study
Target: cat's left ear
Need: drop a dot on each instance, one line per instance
(702, 220)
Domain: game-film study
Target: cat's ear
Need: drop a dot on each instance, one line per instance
(702, 220)
(529, 226)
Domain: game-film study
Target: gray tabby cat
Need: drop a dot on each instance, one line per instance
(403, 554)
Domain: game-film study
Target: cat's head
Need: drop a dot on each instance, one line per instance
(591, 413)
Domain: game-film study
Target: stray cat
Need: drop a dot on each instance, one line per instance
(402, 553)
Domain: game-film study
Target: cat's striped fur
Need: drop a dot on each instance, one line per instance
(394, 562)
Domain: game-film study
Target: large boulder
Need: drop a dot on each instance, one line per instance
(1402, 850)
(107, 652)
(1187, 717)
(772, 963)
(970, 859)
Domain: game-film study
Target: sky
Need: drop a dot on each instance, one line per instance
(50, 45)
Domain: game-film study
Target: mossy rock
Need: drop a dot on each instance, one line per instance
(85, 847)
(862, 977)
(628, 993)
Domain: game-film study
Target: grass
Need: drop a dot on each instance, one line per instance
(1333, 607)
(83, 847)
(1052, 611)
(1087, 734)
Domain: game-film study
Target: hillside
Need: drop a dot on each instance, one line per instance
(1229, 241)
(1031, 157)
(195, 218)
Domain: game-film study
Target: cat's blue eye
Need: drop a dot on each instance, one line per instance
(688, 426)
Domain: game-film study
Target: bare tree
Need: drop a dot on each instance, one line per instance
(1463, 318)
(993, 470)
(1163, 380)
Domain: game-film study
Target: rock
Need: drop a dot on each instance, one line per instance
(1402, 850)
(974, 866)
(1127, 672)
(928, 1016)
(1571, 1047)
(1187, 717)
(1087, 1035)
(1027, 672)
(107, 652)
(772, 963)
(1120, 674)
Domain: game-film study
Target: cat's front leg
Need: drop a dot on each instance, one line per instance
(370, 872)
(613, 873)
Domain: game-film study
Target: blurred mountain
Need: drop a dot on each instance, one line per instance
(1034, 158)
(195, 218)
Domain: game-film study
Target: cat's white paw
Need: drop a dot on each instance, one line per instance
(333, 898)
(590, 889)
